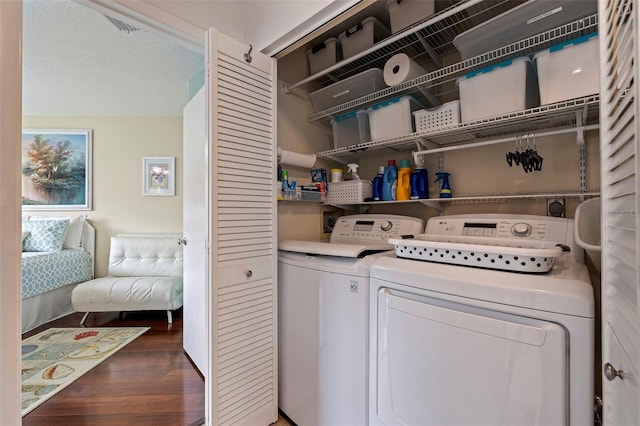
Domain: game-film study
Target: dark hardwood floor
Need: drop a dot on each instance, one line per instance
(148, 382)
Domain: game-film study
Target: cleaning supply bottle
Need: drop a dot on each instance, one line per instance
(445, 189)
(404, 180)
(390, 181)
(419, 183)
(353, 169)
(377, 184)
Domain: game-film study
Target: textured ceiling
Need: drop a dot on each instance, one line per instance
(78, 63)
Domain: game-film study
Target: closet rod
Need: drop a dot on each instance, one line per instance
(508, 139)
(436, 18)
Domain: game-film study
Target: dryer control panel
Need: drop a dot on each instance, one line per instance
(504, 226)
(374, 228)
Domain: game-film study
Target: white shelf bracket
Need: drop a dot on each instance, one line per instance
(433, 100)
(581, 118)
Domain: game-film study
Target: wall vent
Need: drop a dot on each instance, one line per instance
(122, 26)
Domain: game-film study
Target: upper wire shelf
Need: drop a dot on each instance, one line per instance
(557, 115)
(442, 82)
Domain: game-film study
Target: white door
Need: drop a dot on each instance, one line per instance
(242, 379)
(195, 230)
(425, 376)
(619, 127)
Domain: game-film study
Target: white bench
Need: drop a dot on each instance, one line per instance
(145, 273)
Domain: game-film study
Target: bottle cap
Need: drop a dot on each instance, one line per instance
(381, 170)
(391, 163)
(405, 164)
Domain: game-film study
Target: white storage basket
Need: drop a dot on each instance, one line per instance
(348, 191)
(445, 115)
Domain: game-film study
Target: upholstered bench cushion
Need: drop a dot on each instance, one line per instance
(128, 294)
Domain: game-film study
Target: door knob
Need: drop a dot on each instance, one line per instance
(611, 373)
(182, 241)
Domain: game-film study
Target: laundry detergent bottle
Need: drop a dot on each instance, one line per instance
(404, 180)
(390, 181)
(377, 184)
(419, 183)
(445, 189)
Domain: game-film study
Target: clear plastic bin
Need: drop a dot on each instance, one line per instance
(323, 55)
(362, 36)
(351, 88)
(569, 70)
(392, 118)
(523, 21)
(407, 12)
(500, 89)
(350, 129)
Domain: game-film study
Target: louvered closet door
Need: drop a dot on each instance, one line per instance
(619, 37)
(243, 366)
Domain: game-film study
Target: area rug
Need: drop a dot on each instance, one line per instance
(53, 359)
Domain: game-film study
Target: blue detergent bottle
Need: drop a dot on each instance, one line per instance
(445, 189)
(377, 184)
(419, 184)
(390, 181)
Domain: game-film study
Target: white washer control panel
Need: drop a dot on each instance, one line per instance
(372, 228)
(504, 226)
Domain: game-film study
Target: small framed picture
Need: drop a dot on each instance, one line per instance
(158, 176)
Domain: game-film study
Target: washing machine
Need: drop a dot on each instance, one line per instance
(323, 318)
(482, 320)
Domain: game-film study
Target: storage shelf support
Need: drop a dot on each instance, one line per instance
(581, 118)
(435, 57)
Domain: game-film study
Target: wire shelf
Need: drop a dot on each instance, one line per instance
(557, 115)
(441, 84)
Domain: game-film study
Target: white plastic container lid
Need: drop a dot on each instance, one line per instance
(488, 69)
(558, 47)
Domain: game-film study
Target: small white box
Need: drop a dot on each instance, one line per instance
(497, 90)
(362, 36)
(350, 129)
(392, 118)
(569, 70)
(323, 55)
(403, 13)
(445, 115)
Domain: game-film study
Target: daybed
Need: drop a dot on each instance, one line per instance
(57, 254)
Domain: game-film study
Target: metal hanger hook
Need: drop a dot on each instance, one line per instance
(247, 56)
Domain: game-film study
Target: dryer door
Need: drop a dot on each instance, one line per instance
(440, 362)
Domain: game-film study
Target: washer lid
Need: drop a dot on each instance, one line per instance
(566, 289)
(331, 249)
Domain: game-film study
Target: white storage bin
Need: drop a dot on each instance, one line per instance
(445, 115)
(569, 70)
(351, 88)
(350, 129)
(403, 13)
(349, 191)
(362, 36)
(323, 55)
(523, 21)
(392, 118)
(500, 89)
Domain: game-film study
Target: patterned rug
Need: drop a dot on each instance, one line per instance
(55, 358)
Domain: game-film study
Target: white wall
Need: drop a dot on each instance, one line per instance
(119, 143)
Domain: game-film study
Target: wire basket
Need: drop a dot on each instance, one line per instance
(512, 254)
(349, 191)
(445, 115)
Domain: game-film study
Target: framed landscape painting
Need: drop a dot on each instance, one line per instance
(56, 169)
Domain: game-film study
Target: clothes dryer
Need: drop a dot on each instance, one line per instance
(323, 317)
(459, 338)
